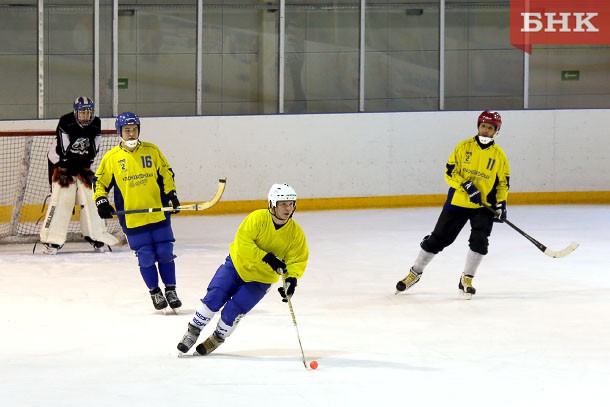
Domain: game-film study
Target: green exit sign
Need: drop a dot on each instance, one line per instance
(123, 83)
(570, 75)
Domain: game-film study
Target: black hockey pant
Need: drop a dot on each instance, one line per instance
(451, 222)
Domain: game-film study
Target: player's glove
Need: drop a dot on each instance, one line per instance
(62, 177)
(473, 192)
(104, 209)
(500, 212)
(276, 264)
(86, 177)
(291, 285)
(173, 199)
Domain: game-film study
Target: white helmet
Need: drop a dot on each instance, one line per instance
(281, 192)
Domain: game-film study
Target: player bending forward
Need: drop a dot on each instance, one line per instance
(142, 178)
(478, 174)
(71, 155)
(267, 244)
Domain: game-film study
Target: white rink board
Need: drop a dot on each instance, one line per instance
(369, 154)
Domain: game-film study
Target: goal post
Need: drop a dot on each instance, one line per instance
(24, 184)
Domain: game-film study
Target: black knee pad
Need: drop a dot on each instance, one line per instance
(431, 244)
(479, 244)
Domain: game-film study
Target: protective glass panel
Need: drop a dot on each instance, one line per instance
(569, 77)
(19, 60)
(402, 57)
(322, 56)
(240, 57)
(482, 69)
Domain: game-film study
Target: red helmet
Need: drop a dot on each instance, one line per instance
(492, 118)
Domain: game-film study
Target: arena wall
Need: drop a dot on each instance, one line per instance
(337, 161)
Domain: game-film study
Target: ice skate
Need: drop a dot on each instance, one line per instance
(50, 248)
(209, 345)
(409, 281)
(466, 288)
(98, 247)
(158, 299)
(189, 338)
(172, 298)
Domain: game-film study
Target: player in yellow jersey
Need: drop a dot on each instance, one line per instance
(267, 244)
(142, 178)
(478, 174)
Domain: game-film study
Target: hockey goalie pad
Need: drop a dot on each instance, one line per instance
(91, 224)
(55, 226)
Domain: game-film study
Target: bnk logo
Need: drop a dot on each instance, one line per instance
(559, 22)
(533, 22)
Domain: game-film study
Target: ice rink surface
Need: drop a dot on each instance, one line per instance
(79, 328)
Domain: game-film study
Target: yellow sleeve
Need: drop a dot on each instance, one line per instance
(166, 172)
(103, 176)
(297, 256)
(453, 168)
(503, 176)
(245, 242)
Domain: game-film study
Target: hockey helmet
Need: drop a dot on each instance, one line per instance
(281, 192)
(124, 119)
(84, 104)
(492, 118)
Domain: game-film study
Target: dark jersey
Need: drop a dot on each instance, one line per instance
(74, 147)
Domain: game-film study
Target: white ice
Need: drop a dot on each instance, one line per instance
(79, 329)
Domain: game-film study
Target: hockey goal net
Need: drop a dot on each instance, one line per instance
(24, 185)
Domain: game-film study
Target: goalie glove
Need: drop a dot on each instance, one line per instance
(290, 286)
(173, 199)
(62, 177)
(86, 177)
(275, 263)
(473, 192)
(104, 209)
(500, 209)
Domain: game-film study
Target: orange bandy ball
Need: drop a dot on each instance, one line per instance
(313, 364)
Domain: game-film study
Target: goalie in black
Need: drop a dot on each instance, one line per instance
(78, 136)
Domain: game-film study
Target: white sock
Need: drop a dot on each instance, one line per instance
(423, 258)
(473, 259)
(223, 330)
(202, 316)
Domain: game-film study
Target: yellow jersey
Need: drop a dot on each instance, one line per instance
(485, 165)
(141, 179)
(257, 236)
